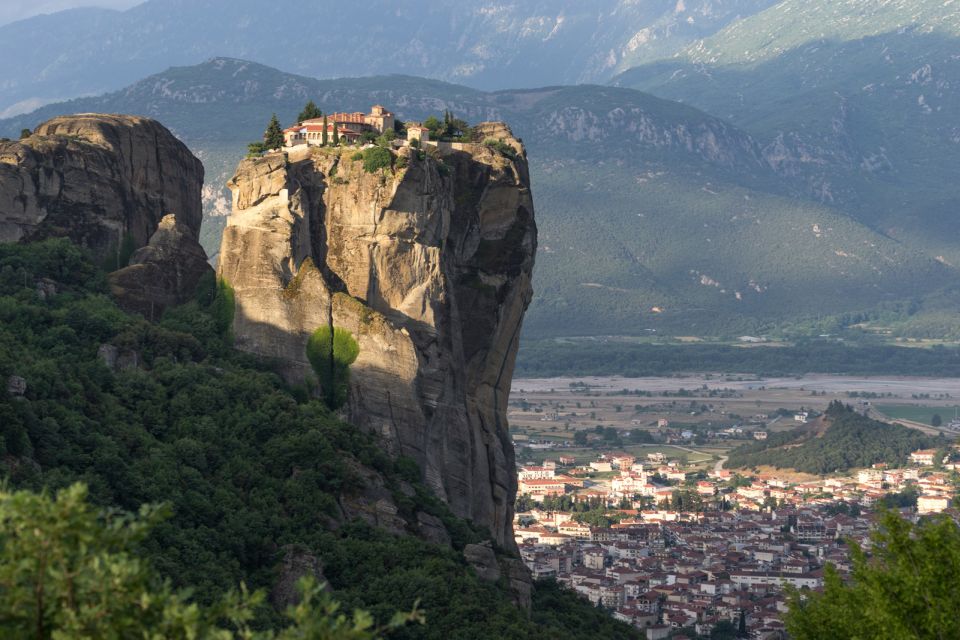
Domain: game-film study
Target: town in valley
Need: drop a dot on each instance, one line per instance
(625, 497)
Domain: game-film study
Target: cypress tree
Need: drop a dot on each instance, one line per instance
(336, 134)
(323, 135)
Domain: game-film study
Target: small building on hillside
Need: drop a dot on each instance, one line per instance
(932, 504)
(418, 132)
(923, 457)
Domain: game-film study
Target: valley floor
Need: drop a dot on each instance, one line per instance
(547, 412)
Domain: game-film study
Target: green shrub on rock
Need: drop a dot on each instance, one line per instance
(376, 158)
(331, 352)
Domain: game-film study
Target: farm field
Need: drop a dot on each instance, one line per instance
(919, 413)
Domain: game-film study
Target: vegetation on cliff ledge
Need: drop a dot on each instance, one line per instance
(331, 351)
(168, 413)
(376, 158)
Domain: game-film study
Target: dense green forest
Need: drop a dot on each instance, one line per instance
(147, 413)
(599, 357)
(68, 570)
(850, 441)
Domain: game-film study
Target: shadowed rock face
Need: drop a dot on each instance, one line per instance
(114, 184)
(164, 273)
(428, 266)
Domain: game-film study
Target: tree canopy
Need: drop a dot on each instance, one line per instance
(248, 464)
(68, 570)
(309, 112)
(273, 136)
(905, 589)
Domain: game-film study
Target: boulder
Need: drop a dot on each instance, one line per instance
(431, 529)
(117, 185)
(100, 180)
(297, 563)
(483, 560)
(16, 386)
(118, 359)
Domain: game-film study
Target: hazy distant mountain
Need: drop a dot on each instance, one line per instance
(862, 96)
(641, 202)
(476, 42)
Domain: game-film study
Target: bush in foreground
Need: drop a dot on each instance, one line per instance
(69, 571)
(906, 588)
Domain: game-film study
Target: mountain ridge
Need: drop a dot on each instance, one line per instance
(476, 42)
(864, 105)
(667, 201)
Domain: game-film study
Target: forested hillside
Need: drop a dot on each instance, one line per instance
(252, 469)
(850, 441)
(610, 356)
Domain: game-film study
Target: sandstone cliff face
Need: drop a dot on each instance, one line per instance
(97, 178)
(111, 183)
(429, 266)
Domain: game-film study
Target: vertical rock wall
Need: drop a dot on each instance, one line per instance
(429, 266)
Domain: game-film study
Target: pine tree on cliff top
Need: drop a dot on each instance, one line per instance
(273, 136)
(310, 111)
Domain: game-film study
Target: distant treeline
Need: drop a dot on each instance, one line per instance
(548, 358)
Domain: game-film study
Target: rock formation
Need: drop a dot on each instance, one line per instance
(113, 184)
(428, 264)
(163, 273)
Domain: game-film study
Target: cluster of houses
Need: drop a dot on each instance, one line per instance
(349, 127)
(663, 570)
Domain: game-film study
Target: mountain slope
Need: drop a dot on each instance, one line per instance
(858, 97)
(642, 202)
(479, 42)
